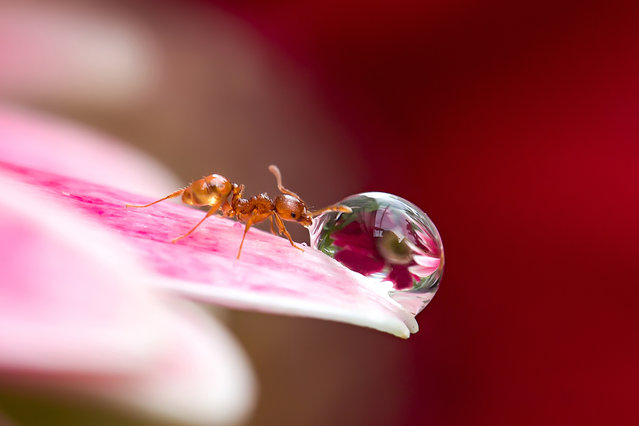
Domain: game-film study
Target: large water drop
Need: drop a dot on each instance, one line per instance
(387, 239)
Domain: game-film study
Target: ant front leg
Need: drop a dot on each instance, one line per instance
(172, 195)
(273, 229)
(283, 230)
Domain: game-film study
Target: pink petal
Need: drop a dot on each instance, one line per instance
(426, 265)
(201, 375)
(52, 298)
(76, 316)
(271, 276)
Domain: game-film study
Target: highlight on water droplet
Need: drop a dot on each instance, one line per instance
(387, 239)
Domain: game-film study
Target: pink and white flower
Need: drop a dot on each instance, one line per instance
(93, 299)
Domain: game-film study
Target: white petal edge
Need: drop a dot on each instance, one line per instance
(402, 324)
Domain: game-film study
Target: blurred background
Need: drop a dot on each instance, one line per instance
(514, 125)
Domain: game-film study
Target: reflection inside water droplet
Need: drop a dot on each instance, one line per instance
(385, 238)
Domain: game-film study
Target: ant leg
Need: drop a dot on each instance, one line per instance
(279, 230)
(333, 208)
(172, 195)
(214, 208)
(282, 228)
(278, 177)
(249, 222)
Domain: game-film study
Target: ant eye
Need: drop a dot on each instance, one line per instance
(292, 214)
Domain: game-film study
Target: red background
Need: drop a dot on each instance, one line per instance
(514, 125)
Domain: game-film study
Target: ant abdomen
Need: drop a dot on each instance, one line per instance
(208, 191)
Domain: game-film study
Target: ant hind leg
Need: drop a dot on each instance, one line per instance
(214, 208)
(171, 195)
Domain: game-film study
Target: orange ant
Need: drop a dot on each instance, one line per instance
(213, 190)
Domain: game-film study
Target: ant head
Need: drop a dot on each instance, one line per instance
(291, 208)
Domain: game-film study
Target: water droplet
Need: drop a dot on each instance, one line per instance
(387, 239)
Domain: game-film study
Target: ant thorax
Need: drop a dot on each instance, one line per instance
(259, 206)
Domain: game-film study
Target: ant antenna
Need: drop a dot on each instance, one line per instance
(278, 176)
(333, 208)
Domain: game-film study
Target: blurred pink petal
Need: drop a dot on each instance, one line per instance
(58, 290)
(75, 315)
(59, 54)
(50, 143)
(201, 372)
(426, 265)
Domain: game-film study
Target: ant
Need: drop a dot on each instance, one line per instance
(213, 190)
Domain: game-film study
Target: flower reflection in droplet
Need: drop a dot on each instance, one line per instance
(385, 238)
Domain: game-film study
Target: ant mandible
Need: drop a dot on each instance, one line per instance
(213, 190)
